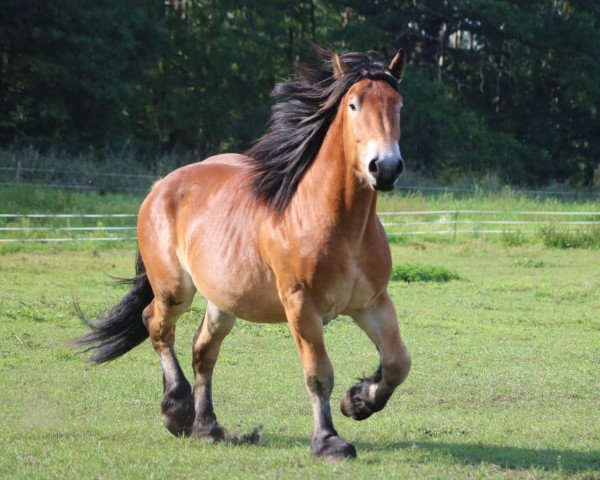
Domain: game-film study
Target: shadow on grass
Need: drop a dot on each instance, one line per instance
(512, 458)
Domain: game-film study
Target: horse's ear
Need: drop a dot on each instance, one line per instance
(397, 65)
(339, 67)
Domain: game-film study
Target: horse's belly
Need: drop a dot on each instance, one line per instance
(256, 303)
(246, 288)
(240, 285)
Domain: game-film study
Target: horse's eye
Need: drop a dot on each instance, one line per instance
(352, 106)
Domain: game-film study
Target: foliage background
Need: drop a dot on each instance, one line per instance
(496, 87)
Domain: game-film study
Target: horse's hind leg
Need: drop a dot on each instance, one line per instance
(371, 394)
(207, 343)
(170, 301)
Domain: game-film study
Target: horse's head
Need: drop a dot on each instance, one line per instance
(372, 123)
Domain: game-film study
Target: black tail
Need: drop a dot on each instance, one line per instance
(122, 329)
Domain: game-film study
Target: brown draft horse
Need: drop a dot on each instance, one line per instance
(286, 233)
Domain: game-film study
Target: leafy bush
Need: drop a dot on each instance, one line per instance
(553, 236)
(407, 272)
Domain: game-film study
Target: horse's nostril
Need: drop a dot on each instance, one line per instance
(373, 168)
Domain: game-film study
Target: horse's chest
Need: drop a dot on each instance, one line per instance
(335, 275)
(348, 286)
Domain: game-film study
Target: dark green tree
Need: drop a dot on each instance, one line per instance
(493, 86)
(497, 85)
(70, 70)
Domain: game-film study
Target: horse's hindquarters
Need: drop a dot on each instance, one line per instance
(202, 223)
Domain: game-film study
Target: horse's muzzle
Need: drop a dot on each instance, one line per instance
(386, 172)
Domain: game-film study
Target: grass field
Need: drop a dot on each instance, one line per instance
(505, 380)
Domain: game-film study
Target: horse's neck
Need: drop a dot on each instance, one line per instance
(333, 189)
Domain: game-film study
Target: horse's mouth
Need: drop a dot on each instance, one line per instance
(385, 186)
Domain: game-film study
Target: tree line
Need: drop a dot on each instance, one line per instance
(500, 87)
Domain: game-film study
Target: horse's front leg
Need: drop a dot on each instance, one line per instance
(371, 394)
(306, 325)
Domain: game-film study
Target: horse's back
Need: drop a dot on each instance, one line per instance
(212, 173)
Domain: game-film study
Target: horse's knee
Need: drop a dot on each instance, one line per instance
(320, 386)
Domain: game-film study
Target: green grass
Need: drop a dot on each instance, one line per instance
(33, 199)
(505, 379)
(38, 199)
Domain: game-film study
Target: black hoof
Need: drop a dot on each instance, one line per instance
(353, 403)
(178, 414)
(332, 448)
(211, 432)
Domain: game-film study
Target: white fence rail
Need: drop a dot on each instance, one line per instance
(68, 215)
(16, 227)
(482, 222)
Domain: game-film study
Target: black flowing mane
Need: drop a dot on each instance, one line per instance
(304, 109)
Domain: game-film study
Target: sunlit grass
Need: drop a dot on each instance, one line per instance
(504, 384)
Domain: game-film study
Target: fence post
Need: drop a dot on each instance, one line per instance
(455, 223)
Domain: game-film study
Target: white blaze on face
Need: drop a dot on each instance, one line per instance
(371, 152)
(380, 152)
